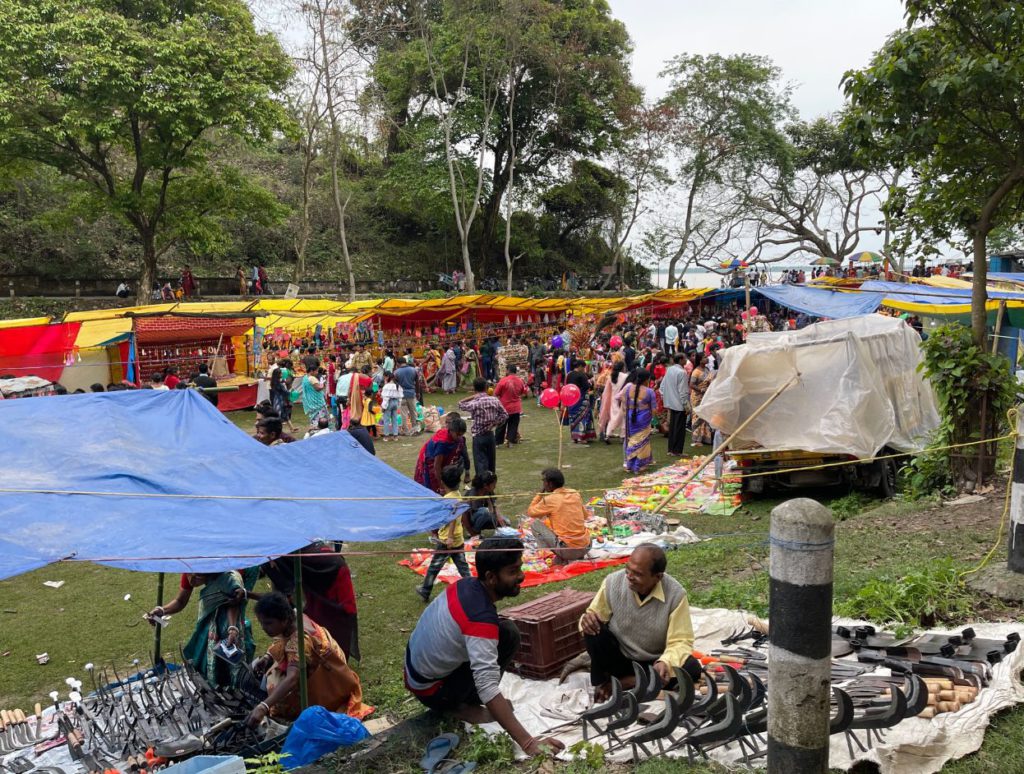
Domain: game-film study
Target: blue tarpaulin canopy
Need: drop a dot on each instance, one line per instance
(821, 302)
(162, 481)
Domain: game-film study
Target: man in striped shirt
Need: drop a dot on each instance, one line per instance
(459, 649)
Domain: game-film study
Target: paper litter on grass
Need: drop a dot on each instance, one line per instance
(915, 746)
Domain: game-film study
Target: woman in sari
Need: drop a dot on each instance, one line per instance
(221, 620)
(431, 364)
(448, 373)
(327, 590)
(330, 681)
(660, 421)
(580, 416)
(445, 447)
(313, 401)
(470, 365)
(700, 379)
(611, 419)
(639, 401)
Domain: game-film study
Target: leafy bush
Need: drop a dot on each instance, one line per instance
(934, 592)
(969, 381)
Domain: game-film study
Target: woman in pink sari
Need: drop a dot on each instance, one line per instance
(610, 421)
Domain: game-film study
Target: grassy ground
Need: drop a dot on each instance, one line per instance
(88, 620)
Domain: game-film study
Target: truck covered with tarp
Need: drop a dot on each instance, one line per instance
(858, 392)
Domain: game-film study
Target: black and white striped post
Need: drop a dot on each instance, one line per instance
(800, 616)
(1015, 562)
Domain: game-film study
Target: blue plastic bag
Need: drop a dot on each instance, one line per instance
(317, 732)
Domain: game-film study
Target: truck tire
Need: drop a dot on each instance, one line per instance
(887, 487)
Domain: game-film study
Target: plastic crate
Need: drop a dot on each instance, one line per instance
(549, 632)
(209, 764)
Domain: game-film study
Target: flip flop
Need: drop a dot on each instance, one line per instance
(457, 767)
(437, 751)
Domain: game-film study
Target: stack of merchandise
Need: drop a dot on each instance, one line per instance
(703, 494)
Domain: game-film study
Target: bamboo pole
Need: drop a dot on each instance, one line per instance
(158, 629)
(721, 447)
(301, 635)
(999, 327)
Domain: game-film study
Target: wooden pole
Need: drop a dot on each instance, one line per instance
(559, 414)
(999, 327)
(721, 447)
(158, 629)
(301, 634)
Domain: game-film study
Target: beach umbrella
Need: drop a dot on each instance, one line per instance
(866, 257)
(735, 263)
(824, 260)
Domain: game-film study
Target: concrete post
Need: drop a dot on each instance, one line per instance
(1016, 547)
(799, 658)
(10, 287)
(78, 288)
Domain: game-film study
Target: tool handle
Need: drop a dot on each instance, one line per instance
(39, 710)
(19, 716)
(928, 712)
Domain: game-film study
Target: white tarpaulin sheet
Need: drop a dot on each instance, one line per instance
(915, 746)
(858, 389)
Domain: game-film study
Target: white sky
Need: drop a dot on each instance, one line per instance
(813, 41)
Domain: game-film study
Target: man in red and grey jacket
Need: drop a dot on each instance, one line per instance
(460, 648)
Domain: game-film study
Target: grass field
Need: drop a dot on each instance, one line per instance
(88, 620)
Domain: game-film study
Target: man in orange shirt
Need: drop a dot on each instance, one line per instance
(560, 517)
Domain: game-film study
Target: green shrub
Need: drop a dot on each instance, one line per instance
(923, 597)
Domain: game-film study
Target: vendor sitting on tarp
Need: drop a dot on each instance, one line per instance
(328, 594)
(221, 621)
(639, 614)
(560, 518)
(330, 681)
(459, 648)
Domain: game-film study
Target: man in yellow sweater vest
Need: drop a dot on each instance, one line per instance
(639, 614)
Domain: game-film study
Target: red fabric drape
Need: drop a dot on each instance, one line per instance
(37, 350)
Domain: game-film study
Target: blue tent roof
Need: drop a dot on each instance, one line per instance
(821, 302)
(219, 495)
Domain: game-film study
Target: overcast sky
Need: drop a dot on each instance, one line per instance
(813, 41)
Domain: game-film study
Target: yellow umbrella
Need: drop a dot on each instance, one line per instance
(866, 257)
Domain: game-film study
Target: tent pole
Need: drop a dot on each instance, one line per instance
(301, 634)
(158, 629)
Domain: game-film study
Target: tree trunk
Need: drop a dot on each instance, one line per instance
(467, 264)
(979, 296)
(147, 277)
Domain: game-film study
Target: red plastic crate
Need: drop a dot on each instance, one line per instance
(549, 632)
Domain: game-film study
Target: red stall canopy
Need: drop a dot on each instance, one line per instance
(37, 350)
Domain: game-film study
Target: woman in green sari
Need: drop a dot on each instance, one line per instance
(221, 619)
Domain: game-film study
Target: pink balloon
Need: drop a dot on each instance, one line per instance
(743, 315)
(570, 395)
(753, 311)
(549, 398)
(615, 342)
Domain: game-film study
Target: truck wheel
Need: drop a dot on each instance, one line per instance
(887, 483)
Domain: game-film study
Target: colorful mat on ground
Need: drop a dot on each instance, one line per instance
(606, 550)
(642, 494)
(538, 563)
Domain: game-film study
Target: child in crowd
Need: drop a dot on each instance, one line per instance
(449, 539)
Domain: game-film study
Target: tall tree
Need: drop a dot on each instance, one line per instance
(639, 159)
(818, 201)
(337, 69)
(562, 94)
(942, 98)
(724, 114)
(128, 97)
